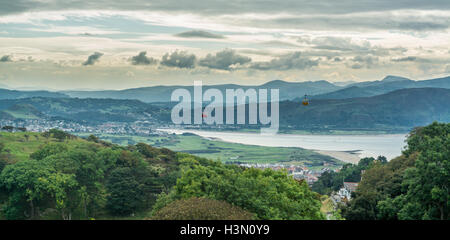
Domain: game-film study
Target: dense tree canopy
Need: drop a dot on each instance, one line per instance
(412, 186)
(266, 193)
(331, 181)
(81, 179)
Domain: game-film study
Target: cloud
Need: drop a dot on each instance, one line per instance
(415, 20)
(6, 58)
(92, 59)
(142, 59)
(179, 59)
(224, 60)
(405, 15)
(286, 62)
(364, 61)
(199, 34)
(217, 7)
(332, 46)
(278, 43)
(339, 44)
(404, 59)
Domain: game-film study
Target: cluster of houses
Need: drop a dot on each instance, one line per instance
(42, 125)
(297, 171)
(345, 193)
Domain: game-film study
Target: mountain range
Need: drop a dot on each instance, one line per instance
(288, 90)
(397, 110)
(16, 94)
(391, 103)
(388, 84)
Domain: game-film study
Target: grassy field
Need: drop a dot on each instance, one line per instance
(225, 151)
(20, 145)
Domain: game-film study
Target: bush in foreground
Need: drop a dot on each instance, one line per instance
(201, 209)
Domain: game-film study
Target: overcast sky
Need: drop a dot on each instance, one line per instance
(111, 44)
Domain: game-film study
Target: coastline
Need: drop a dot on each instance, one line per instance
(346, 148)
(341, 155)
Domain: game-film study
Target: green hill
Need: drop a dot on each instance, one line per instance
(15, 94)
(401, 109)
(24, 111)
(82, 110)
(55, 175)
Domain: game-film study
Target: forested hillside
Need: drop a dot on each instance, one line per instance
(401, 109)
(82, 110)
(388, 84)
(413, 186)
(15, 94)
(55, 175)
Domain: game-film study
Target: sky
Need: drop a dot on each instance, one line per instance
(111, 44)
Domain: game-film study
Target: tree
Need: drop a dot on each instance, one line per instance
(58, 134)
(125, 193)
(93, 138)
(63, 189)
(8, 128)
(333, 181)
(23, 181)
(428, 182)
(48, 150)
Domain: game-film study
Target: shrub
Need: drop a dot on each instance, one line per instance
(201, 209)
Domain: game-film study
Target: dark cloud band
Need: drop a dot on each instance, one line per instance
(92, 59)
(199, 34)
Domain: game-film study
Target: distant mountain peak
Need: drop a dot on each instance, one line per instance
(277, 81)
(391, 78)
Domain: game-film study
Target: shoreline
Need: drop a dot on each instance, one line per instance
(295, 132)
(343, 156)
(346, 148)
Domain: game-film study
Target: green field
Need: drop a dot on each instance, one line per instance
(226, 151)
(20, 145)
(21, 114)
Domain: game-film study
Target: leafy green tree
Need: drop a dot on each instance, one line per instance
(48, 150)
(58, 134)
(23, 181)
(428, 182)
(332, 181)
(93, 138)
(125, 192)
(63, 189)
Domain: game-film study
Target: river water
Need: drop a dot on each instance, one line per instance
(388, 145)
